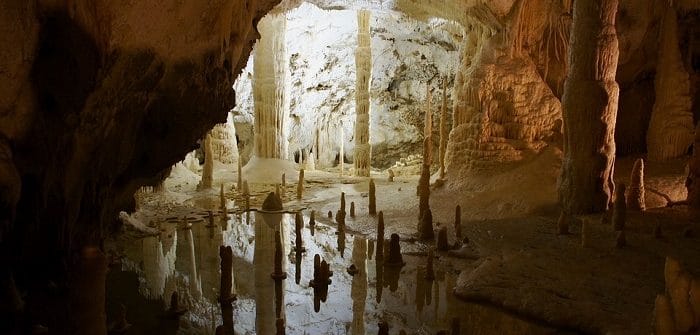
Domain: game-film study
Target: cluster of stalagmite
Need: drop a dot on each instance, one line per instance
(363, 73)
(677, 311)
(208, 168)
(270, 88)
(671, 127)
(590, 109)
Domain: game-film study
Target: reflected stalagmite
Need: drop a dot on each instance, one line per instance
(278, 273)
(226, 296)
(395, 258)
(429, 270)
(298, 226)
(372, 198)
(380, 237)
(442, 242)
(635, 195)
(426, 226)
(358, 290)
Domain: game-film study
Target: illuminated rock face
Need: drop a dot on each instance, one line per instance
(671, 127)
(270, 88)
(590, 109)
(363, 74)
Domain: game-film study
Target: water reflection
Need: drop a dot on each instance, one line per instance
(187, 261)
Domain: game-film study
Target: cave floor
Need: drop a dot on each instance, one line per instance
(515, 276)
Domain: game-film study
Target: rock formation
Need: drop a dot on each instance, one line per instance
(590, 109)
(270, 88)
(300, 185)
(620, 208)
(443, 130)
(223, 143)
(363, 65)
(671, 127)
(372, 198)
(208, 168)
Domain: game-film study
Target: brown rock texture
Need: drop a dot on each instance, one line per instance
(590, 109)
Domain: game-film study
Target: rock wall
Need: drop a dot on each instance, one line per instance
(100, 98)
(321, 44)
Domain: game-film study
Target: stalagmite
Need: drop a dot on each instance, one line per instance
(677, 289)
(270, 88)
(391, 175)
(298, 226)
(563, 224)
(671, 126)
(426, 226)
(635, 195)
(585, 234)
(372, 198)
(395, 258)
(240, 176)
(246, 190)
(342, 150)
(424, 181)
(300, 185)
(208, 168)
(310, 162)
(442, 242)
(458, 222)
(352, 209)
(620, 240)
(663, 316)
(443, 130)
(693, 181)
(590, 109)
(363, 64)
(620, 208)
(429, 271)
(380, 237)
(175, 310)
(330, 214)
(284, 180)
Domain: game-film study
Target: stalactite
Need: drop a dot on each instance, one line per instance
(270, 88)
(363, 63)
(443, 130)
(671, 126)
(208, 169)
(590, 109)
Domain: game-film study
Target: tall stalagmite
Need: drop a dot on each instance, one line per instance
(270, 88)
(208, 168)
(671, 126)
(636, 194)
(363, 73)
(443, 130)
(424, 181)
(590, 109)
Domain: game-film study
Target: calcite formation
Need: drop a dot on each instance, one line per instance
(636, 195)
(590, 109)
(671, 126)
(270, 88)
(363, 65)
(223, 143)
(208, 168)
(372, 198)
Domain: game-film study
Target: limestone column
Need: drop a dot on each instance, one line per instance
(363, 72)
(590, 109)
(270, 88)
(671, 126)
